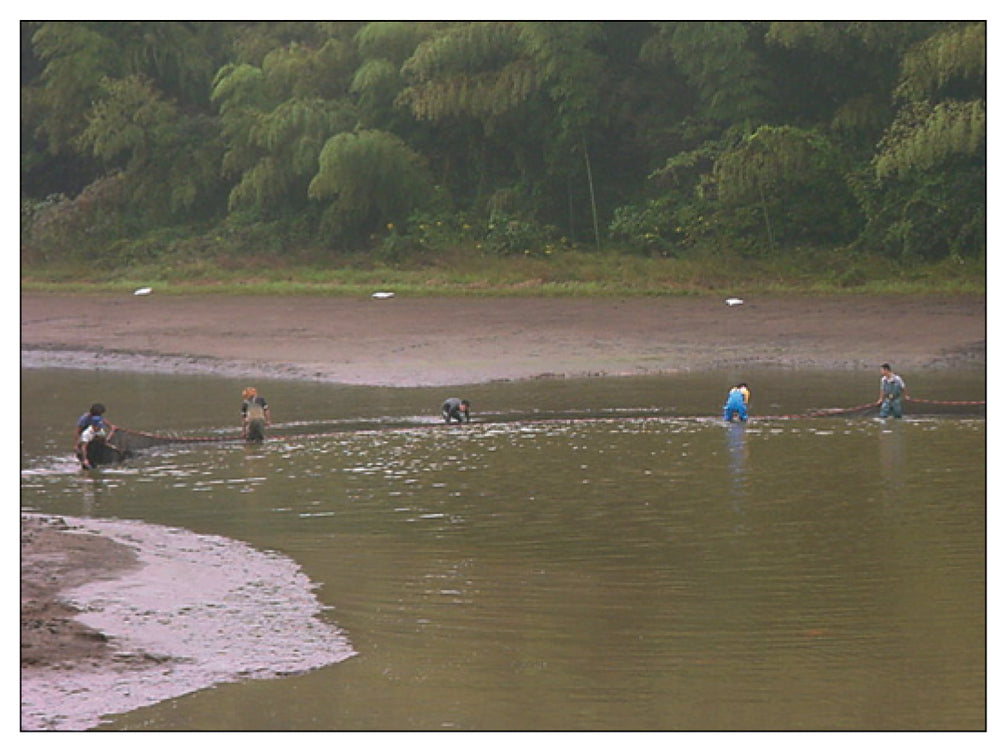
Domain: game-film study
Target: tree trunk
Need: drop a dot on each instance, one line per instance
(593, 199)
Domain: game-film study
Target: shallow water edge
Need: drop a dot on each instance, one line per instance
(198, 610)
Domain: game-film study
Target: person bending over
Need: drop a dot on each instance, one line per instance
(90, 424)
(456, 409)
(737, 403)
(255, 414)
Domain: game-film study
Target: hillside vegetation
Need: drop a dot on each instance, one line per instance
(504, 157)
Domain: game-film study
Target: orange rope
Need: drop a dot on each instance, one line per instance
(867, 406)
(808, 415)
(948, 403)
(170, 438)
(823, 412)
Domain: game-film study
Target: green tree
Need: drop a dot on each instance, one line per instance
(169, 162)
(572, 74)
(276, 119)
(383, 47)
(76, 58)
(756, 135)
(789, 182)
(927, 194)
(721, 62)
(471, 82)
(116, 116)
(368, 179)
(532, 101)
(841, 75)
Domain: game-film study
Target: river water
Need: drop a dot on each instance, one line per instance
(588, 554)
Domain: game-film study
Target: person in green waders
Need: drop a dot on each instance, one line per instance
(256, 413)
(891, 393)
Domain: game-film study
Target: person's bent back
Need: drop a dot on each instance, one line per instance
(457, 409)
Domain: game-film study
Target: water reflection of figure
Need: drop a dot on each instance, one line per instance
(736, 436)
(93, 489)
(892, 457)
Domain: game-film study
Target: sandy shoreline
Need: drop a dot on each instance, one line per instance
(141, 632)
(434, 342)
(410, 342)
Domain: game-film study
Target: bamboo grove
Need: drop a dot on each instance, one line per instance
(403, 137)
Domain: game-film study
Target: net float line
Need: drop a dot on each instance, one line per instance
(130, 440)
(822, 412)
(947, 403)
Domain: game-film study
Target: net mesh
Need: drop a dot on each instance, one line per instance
(129, 440)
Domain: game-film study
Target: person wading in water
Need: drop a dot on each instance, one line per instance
(737, 403)
(89, 426)
(456, 409)
(891, 393)
(256, 413)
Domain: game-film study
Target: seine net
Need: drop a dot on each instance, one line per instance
(129, 441)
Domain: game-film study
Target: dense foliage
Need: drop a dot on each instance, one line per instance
(402, 138)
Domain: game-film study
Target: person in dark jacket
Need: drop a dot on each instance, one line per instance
(456, 409)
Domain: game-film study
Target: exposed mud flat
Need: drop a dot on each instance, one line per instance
(452, 341)
(169, 612)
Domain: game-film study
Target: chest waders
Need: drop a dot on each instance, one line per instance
(892, 400)
(255, 421)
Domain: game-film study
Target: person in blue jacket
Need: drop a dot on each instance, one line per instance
(94, 416)
(737, 403)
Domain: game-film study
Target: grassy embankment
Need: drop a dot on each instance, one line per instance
(568, 273)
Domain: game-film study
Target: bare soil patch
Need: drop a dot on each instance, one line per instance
(449, 341)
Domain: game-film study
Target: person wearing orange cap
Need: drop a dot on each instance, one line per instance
(255, 414)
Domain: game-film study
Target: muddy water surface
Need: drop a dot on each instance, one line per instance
(594, 554)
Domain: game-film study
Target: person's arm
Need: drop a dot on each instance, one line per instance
(82, 449)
